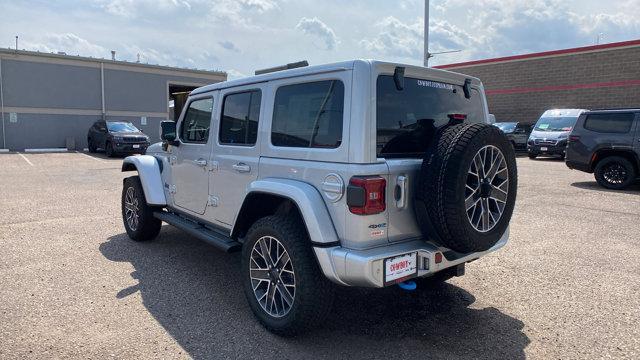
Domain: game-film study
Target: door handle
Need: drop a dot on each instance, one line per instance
(201, 162)
(401, 192)
(241, 167)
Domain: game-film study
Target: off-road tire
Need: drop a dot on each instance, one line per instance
(601, 168)
(108, 149)
(147, 227)
(91, 146)
(440, 197)
(314, 294)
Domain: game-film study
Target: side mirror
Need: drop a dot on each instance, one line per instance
(168, 132)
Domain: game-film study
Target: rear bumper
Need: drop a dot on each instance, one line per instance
(365, 267)
(578, 166)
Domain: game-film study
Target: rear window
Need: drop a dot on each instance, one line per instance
(609, 123)
(407, 119)
(308, 115)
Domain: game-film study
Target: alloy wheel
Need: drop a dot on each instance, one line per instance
(272, 275)
(131, 209)
(615, 173)
(487, 188)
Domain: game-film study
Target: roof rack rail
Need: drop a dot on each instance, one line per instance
(294, 65)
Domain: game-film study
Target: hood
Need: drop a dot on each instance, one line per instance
(128, 133)
(549, 135)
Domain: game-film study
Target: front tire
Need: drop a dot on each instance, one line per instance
(137, 215)
(284, 286)
(532, 156)
(108, 149)
(615, 173)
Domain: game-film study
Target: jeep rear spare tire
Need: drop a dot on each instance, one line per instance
(467, 187)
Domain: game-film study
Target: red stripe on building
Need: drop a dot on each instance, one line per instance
(564, 87)
(542, 54)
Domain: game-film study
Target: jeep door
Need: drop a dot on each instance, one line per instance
(189, 160)
(236, 151)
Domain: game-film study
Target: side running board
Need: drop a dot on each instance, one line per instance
(205, 234)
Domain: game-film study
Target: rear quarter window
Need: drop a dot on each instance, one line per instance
(308, 115)
(609, 123)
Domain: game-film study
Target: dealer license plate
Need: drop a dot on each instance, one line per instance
(136, 146)
(400, 267)
(544, 149)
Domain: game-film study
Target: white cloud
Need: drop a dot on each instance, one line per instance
(317, 28)
(396, 39)
(233, 74)
(135, 8)
(69, 43)
(259, 5)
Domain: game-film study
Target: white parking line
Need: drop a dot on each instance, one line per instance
(89, 156)
(25, 159)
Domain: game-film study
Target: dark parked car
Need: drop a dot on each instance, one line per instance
(607, 144)
(116, 137)
(517, 133)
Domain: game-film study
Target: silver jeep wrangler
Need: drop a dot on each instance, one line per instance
(359, 173)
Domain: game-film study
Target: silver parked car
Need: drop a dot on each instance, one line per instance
(359, 173)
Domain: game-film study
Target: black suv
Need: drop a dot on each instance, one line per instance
(607, 143)
(116, 137)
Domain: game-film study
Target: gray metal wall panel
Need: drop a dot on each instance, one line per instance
(31, 84)
(133, 91)
(47, 131)
(50, 131)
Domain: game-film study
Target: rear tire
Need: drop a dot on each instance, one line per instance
(137, 215)
(615, 173)
(305, 304)
(91, 146)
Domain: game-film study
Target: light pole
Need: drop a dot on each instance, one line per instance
(427, 55)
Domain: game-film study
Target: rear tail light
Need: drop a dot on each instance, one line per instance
(365, 195)
(457, 117)
(574, 138)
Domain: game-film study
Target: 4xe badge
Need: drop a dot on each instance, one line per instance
(377, 229)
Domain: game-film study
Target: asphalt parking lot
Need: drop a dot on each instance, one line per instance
(73, 285)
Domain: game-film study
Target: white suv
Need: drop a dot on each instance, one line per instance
(359, 173)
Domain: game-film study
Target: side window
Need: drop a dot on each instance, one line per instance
(240, 113)
(197, 121)
(308, 115)
(609, 123)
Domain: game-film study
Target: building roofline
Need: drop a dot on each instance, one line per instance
(577, 50)
(5, 51)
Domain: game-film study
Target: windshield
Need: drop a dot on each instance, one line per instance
(555, 124)
(121, 127)
(507, 127)
(407, 119)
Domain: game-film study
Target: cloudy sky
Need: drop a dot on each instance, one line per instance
(239, 36)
